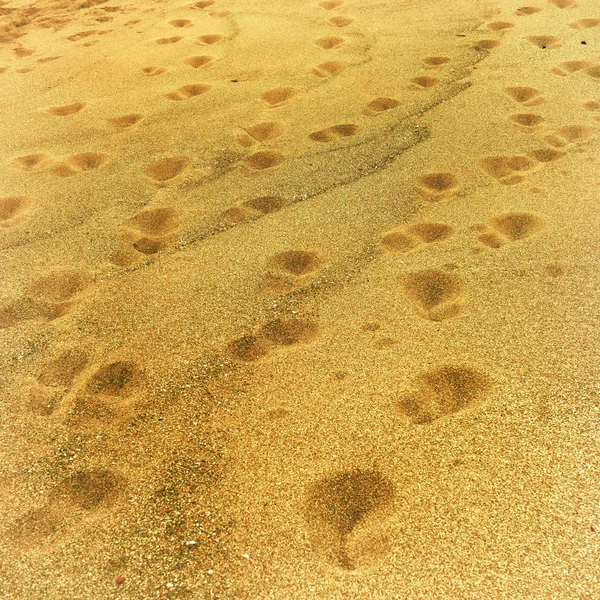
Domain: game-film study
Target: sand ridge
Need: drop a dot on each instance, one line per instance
(299, 299)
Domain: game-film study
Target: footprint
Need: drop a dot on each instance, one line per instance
(436, 61)
(48, 59)
(564, 3)
(59, 286)
(340, 21)
(569, 134)
(31, 162)
(13, 210)
(500, 25)
(329, 68)
(265, 159)
(114, 379)
(86, 161)
(380, 105)
(152, 71)
(339, 509)
(593, 106)
(593, 71)
(331, 4)
(437, 186)
(188, 91)
(202, 4)
(287, 332)
(209, 39)
(166, 169)
(265, 205)
(67, 109)
(425, 81)
(265, 131)
(528, 120)
(296, 262)
(486, 44)
(63, 370)
(415, 236)
(180, 23)
(525, 95)
(278, 95)
(329, 43)
(248, 348)
(199, 61)
(585, 23)
(545, 42)
(527, 10)
(91, 489)
(43, 401)
(334, 132)
(126, 121)
(436, 294)
(156, 221)
(444, 391)
(545, 155)
(510, 227)
(168, 40)
(571, 66)
(506, 169)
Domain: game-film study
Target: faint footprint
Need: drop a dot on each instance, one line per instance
(444, 391)
(486, 44)
(209, 39)
(32, 162)
(425, 81)
(340, 21)
(507, 169)
(262, 205)
(326, 69)
(436, 294)
(188, 91)
(292, 269)
(277, 96)
(343, 512)
(525, 11)
(114, 379)
(415, 236)
(380, 105)
(568, 135)
(168, 40)
(13, 210)
(331, 4)
(85, 161)
(151, 229)
(334, 132)
(202, 4)
(126, 121)
(434, 187)
(166, 169)
(264, 131)
(67, 109)
(510, 227)
(199, 61)
(500, 25)
(525, 95)
(152, 71)
(545, 42)
(181, 23)
(585, 24)
(529, 121)
(61, 371)
(571, 66)
(564, 3)
(436, 61)
(329, 43)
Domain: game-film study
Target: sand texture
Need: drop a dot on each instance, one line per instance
(299, 299)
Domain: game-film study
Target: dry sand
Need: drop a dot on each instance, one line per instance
(299, 299)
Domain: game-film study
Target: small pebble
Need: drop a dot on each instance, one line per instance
(119, 580)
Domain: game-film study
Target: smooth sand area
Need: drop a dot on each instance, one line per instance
(299, 299)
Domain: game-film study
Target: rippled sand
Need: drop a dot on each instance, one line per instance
(299, 299)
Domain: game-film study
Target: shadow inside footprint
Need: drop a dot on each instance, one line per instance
(337, 504)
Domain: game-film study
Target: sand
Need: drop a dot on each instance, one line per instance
(299, 299)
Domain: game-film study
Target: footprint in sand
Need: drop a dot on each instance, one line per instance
(168, 40)
(444, 391)
(13, 210)
(564, 3)
(585, 24)
(509, 228)
(260, 132)
(436, 295)
(179, 23)
(424, 82)
(571, 66)
(340, 21)
(188, 91)
(592, 106)
(332, 67)
(202, 4)
(292, 269)
(334, 132)
(199, 61)
(91, 490)
(32, 162)
(47, 298)
(507, 169)
(66, 110)
(525, 11)
(527, 122)
(486, 44)
(209, 39)
(152, 71)
(165, 170)
(415, 237)
(434, 187)
(125, 121)
(278, 96)
(569, 135)
(78, 163)
(525, 95)
(345, 512)
(253, 208)
(330, 42)
(151, 230)
(435, 61)
(266, 159)
(379, 105)
(545, 42)
(331, 4)
(277, 332)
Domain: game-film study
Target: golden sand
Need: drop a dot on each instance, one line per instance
(299, 299)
